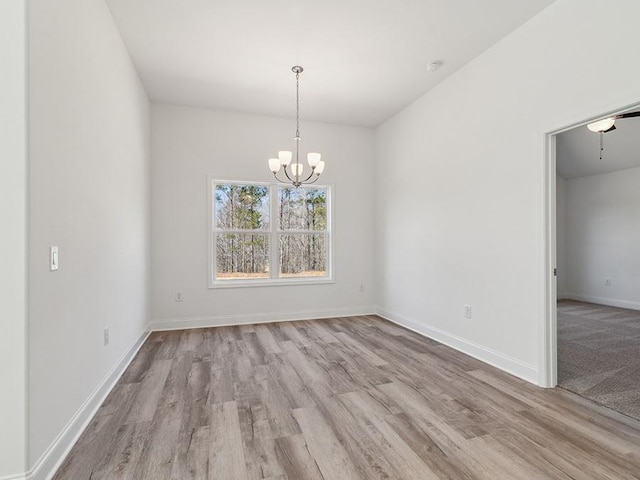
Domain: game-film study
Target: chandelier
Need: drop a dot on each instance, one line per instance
(290, 164)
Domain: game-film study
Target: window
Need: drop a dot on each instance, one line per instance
(269, 234)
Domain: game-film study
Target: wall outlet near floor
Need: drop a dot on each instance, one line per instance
(178, 296)
(467, 311)
(106, 336)
(607, 282)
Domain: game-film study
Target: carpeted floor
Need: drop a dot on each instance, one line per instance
(599, 354)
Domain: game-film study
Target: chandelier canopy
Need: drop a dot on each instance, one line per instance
(289, 163)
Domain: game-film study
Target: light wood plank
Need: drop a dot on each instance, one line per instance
(330, 456)
(350, 398)
(226, 452)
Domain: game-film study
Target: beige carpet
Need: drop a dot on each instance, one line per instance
(599, 354)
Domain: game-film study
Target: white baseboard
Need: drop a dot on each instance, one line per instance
(46, 467)
(611, 302)
(244, 319)
(499, 360)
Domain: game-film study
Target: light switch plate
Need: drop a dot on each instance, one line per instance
(53, 258)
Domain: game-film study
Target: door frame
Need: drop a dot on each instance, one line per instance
(548, 332)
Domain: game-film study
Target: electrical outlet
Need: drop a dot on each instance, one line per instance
(178, 296)
(106, 336)
(607, 282)
(362, 287)
(467, 311)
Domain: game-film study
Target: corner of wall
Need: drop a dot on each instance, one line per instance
(497, 359)
(47, 465)
(14, 239)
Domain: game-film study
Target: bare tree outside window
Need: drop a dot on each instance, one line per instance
(242, 251)
(248, 243)
(303, 225)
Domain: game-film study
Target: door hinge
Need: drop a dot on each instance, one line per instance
(555, 272)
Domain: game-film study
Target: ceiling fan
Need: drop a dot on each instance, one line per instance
(608, 124)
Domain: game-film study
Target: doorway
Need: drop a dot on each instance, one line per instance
(592, 337)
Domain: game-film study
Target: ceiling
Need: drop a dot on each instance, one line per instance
(364, 60)
(578, 150)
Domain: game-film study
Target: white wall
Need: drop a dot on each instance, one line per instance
(603, 235)
(89, 153)
(461, 219)
(190, 144)
(561, 236)
(13, 237)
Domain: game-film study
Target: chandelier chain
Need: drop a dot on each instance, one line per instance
(297, 105)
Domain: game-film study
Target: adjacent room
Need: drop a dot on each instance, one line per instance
(598, 233)
(310, 240)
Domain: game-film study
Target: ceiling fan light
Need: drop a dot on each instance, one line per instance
(285, 157)
(602, 125)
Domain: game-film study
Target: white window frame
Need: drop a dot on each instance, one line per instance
(273, 232)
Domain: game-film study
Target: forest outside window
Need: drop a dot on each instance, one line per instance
(269, 234)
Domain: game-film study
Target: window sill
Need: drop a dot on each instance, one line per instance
(267, 282)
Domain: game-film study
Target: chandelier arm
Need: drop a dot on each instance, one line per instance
(310, 175)
(284, 169)
(314, 180)
(275, 175)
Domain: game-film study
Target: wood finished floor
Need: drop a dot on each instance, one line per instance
(340, 399)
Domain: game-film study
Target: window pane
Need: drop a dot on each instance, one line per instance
(242, 256)
(302, 208)
(303, 255)
(241, 207)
